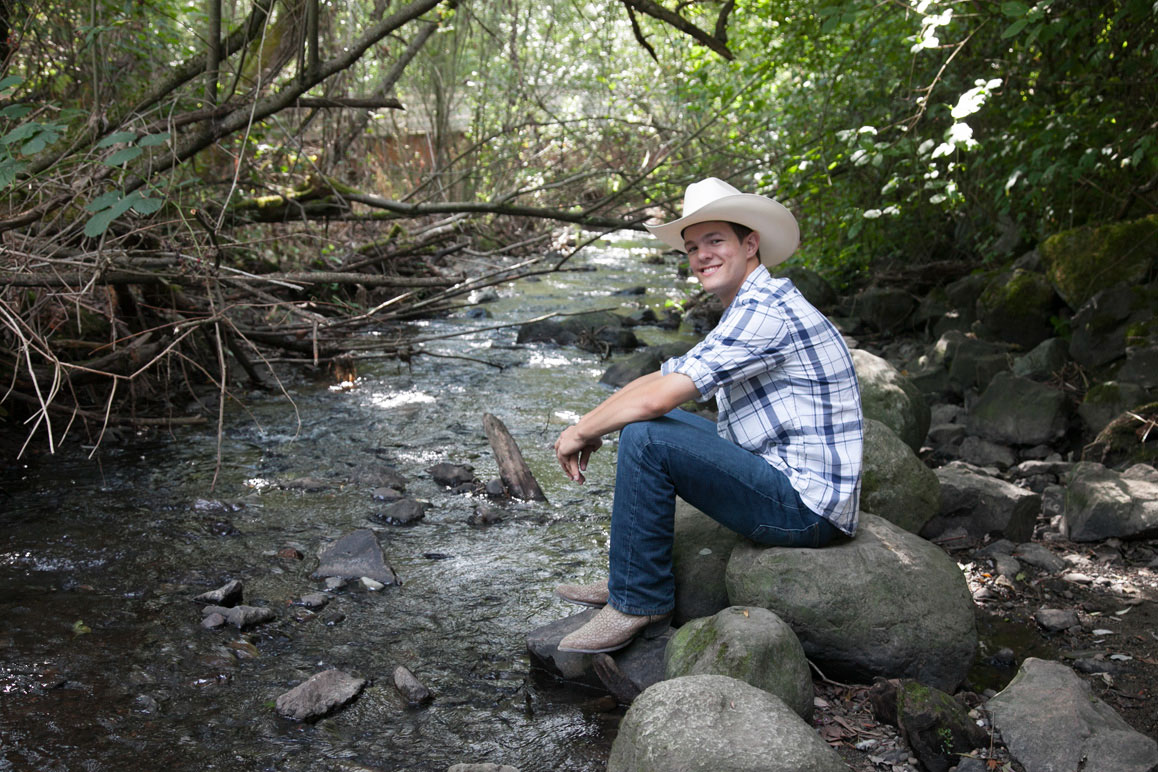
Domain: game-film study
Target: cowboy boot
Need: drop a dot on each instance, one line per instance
(611, 630)
(594, 595)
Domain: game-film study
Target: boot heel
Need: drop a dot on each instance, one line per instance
(657, 628)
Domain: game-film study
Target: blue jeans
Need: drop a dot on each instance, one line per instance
(681, 454)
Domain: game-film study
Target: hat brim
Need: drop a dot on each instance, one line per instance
(779, 233)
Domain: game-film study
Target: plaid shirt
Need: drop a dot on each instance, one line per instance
(786, 390)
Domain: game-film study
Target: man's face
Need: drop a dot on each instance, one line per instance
(719, 259)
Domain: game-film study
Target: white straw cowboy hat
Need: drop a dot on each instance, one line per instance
(714, 199)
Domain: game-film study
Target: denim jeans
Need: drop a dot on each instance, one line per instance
(681, 454)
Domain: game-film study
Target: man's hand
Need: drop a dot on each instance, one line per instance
(573, 452)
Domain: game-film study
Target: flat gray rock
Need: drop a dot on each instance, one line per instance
(320, 695)
(228, 594)
(1050, 720)
(982, 505)
(241, 617)
(355, 555)
(1101, 503)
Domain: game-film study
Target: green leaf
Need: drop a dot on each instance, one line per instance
(20, 133)
(123, 156)
(117, 136)
(147, 205)
(1014, 28)
(34, 145)
(9, 82)
(15, 111)
(9, 168)
(152, 140)
(103, 201)
(99, 223)
(1014, 9)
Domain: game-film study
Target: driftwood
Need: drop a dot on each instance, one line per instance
(512, 468)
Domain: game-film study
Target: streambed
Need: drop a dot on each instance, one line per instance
(106, 667)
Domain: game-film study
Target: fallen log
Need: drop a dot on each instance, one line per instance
(512, 468)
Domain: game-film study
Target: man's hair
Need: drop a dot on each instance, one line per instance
(741, 232)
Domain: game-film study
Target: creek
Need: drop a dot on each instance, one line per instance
(106, 666)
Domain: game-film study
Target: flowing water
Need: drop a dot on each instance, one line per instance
(105, 665)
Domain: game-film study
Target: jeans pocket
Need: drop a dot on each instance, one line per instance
(774, 536)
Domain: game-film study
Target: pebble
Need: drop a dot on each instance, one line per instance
(314, 600)
(373, 585)
(229, 594)
(1076, 578)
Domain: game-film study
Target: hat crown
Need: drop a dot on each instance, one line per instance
(700, 194)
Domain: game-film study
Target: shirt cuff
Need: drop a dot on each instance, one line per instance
(703, 377)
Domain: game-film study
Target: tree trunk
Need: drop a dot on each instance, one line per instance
(512, 468)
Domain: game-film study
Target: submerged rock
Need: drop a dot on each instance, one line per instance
(411, 688)
(451, 475)
(403, 512)
(321, 694)
(241, 617)
(355, 555)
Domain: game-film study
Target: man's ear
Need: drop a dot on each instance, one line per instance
(752, 243)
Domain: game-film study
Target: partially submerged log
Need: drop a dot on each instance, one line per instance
(512, 468)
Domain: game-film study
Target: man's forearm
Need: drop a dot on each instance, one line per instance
(647, 397)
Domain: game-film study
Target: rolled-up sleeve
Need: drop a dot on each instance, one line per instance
(741, 346)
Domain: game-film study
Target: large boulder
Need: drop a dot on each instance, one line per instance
(645, 360)
(1083, 261)
(814, 287)
(1101, 327)
(598, 331)
(748, 643)
(891, 398)
(1102, 504)
(885, 309)
(712, 723)
(1017, 307)
(1127, 440)
(1106, 401)
(1051, 720)
(1043, 361)
(895, 484)
(977, 504)
(957, 363)
(887, 603)
(1018, 411)
(699, 561)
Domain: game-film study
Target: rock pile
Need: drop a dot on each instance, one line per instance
(1006, 411)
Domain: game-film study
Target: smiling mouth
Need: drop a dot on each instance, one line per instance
(709, 270)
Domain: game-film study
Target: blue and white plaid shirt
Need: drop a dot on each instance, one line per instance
(786, 390)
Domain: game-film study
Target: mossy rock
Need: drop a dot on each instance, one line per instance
(1083, 261)
(1017, 307)
(1120, 445)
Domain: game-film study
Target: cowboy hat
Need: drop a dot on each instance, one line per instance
(714, 199)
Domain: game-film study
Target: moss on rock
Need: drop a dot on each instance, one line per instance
(1083, 261)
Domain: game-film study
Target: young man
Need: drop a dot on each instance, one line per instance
(781, 465)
